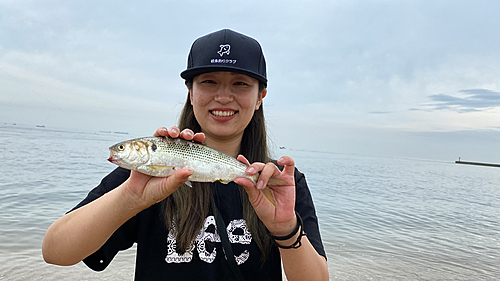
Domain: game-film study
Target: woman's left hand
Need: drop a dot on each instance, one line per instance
(280, 219)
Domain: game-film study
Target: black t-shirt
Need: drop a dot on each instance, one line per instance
(205, 260)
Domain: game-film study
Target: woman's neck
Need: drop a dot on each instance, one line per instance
(230, 146)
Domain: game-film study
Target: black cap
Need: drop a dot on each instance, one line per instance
(226, 50)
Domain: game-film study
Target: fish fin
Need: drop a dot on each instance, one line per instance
(223, 181)
(189, 183)
(269, 195)
(276, 181)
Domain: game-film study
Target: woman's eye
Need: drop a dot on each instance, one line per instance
(208, 82)
(241, 84)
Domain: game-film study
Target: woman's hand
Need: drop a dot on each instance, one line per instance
(174, 132)
(149, 190)
(302, 263)
(280, 219)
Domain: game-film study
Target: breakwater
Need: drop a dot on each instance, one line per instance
(477, 163)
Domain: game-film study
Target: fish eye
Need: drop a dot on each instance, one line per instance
(121, 147)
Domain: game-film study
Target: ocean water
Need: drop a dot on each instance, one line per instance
(380, 218)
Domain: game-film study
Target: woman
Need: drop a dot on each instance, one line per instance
(179, 230)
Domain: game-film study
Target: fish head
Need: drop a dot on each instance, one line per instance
(129, 154)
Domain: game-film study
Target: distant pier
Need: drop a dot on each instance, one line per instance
(476, 163)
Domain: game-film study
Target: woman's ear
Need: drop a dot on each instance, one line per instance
(264, 93)
(259, 101)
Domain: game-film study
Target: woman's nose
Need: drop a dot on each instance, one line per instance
(224, 96)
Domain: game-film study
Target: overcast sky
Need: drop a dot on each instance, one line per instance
(392, 78)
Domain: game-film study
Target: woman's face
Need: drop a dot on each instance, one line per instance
(224, 103)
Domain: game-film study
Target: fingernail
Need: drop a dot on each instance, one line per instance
(260, 184)
(189, 133)
(281, 159)
(251, 170)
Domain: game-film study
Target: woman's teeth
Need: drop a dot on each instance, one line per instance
(223, 113)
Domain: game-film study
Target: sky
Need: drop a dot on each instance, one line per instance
(415, 79)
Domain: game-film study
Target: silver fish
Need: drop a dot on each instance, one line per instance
(162, 156)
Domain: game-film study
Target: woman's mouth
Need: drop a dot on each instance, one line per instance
(223, 113)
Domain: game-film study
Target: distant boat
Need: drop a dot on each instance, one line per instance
(122, 133)
(40, 126)
(282, 147)
(107, 132)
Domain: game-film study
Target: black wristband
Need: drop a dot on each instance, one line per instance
(298, 242)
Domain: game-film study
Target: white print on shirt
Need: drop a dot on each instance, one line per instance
(207, 236)
(246, 238)
(241, 259)
(203, 237)
(172, 255)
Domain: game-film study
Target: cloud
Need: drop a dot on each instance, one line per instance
(470, 100)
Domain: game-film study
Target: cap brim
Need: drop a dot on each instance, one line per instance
(195, 71)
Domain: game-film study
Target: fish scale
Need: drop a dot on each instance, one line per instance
(174, 154)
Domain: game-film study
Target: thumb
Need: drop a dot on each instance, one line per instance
(254, 195)
(289, 165)
(178, 178)
(168, 185)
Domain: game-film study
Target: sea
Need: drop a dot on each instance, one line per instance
(381, 218)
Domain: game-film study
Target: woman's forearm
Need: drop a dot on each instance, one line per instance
(83, 231)
(80, 233)
(303, 263)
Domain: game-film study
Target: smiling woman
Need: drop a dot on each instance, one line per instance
(208, 231)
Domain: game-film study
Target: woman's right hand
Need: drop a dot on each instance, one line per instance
(150, 190)
(83, 231)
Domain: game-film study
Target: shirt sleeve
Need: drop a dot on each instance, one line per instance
(124, 237)
(305, 207)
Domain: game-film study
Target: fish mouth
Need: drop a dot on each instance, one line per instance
(223, 113)
(112, 159)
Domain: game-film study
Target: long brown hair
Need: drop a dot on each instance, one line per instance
(188, 207)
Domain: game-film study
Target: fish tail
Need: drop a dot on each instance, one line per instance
(276, 181)
(268, 193)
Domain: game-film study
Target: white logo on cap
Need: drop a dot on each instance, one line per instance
(224, 49)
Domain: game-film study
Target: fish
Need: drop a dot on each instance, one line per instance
(162, 156)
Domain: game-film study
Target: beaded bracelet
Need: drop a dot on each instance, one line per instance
(297, 242)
